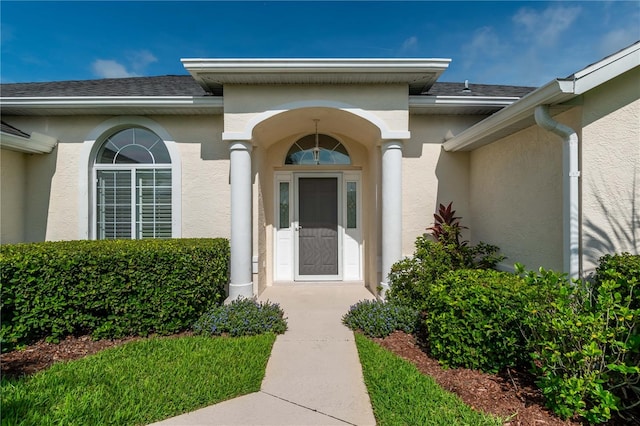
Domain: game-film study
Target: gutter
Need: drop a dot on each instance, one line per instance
(37, 143)
(570, 189)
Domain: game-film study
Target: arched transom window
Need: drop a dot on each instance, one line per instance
(317, 149)
(133, 186)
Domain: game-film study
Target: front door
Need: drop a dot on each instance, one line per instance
(318, 236)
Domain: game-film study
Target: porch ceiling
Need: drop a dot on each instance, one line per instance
(418, 74)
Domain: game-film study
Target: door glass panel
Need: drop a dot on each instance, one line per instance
(352, 213)
(284, 205)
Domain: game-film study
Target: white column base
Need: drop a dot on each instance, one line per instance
(239, 290)
(384, 287)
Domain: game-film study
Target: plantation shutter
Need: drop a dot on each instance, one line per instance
(153, 203)
(114, 204)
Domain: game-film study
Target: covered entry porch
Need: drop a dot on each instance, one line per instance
(315, 221)
(333, 218)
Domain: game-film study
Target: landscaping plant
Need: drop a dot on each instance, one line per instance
(379, 319)
(585, 345)
(473, 318)
(435, 255)
(242, 317)
(108, 288)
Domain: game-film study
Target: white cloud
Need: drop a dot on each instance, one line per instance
(485, 43)
(137, 62)
(108, 68)
(141, 59)
(409, 44)
(545, 27)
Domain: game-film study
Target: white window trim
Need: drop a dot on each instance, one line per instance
(87, 190)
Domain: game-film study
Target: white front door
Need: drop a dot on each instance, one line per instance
(317, 226)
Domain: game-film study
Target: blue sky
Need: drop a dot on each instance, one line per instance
(520, 43)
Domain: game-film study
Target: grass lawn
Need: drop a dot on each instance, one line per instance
(401, 395)
(139, 382)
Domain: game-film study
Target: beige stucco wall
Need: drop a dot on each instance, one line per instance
(54, 200)
(516, 196)
(431, 176)
(610, 149)
(12, 196)
(246, 105)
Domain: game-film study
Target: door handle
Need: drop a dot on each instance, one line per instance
(299, 227)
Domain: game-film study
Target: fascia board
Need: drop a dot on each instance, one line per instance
(607, 69)
(37, 144)
(112, 101)
(326, 65)
(481, 134)
(419, 102)
(214, 73)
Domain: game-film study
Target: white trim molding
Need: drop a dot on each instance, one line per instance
(247, 133)
(86, 225)
(36, 143)
(418, 73)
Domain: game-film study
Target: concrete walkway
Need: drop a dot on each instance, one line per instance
(313, 376)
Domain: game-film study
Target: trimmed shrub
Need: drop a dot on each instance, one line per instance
(379, 319)
(242, 317)
(586, 345)
(108, 288)
(436, 255)
(473, 319)
(625, 269)
(411, 278)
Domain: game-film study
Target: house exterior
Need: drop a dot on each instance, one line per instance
(328, 169)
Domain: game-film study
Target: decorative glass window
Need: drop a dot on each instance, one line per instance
(352, 203)
(133, 186)
(317, 149)
(284, 205)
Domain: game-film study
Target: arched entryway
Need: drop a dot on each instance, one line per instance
(317, 200)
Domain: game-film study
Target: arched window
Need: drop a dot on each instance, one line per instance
(133, 196)
(317, 149)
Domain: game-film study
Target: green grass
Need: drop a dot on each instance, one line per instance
(138, 383)
(401, 395)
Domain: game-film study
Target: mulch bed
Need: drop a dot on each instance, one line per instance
(510, 395)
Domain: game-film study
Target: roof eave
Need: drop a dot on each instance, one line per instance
(512, 116)
(213, 74)
(520, 114)
(36, 144)
(98, 104)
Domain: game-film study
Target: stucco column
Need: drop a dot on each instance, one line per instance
(241, 245)
(391, 208)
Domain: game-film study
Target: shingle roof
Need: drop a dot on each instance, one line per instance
(185, 85)
(7, 128)
(169, 85)
(457, 89)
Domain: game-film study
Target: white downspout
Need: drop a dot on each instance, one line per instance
(570, 194)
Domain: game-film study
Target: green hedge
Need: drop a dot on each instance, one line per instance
(108, 288)
(473, 318)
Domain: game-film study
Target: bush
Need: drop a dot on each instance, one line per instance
(625, 269)
(411, 278)
(585, 346)
(379, 319)
(242, 317)
(108, 288)
(473, 319)
(436, 255)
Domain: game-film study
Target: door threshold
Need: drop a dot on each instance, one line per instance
(318, 283)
